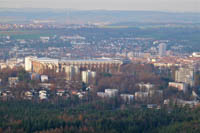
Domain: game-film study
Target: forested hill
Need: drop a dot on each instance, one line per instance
(94, 117)
(84, 16)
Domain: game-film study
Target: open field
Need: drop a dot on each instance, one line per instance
(27, 34)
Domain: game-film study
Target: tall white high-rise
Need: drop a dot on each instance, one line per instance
(185, 75)
(28, 63)
(71, 71)
(87, 76)
(162, 49)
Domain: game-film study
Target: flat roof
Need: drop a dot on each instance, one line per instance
(91, 60)
(47, 60)
(76, 60)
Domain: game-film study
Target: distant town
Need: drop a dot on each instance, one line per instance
(99, 71)
(71, 64)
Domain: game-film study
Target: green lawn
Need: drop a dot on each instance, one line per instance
(27, 34)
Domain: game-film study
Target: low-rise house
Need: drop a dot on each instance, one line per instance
(151, 106)
(158, 107)
(0, 81)
(141, 95)
(4, 94)
(158, 93)
(191, 104)
(90, 88)
(111, 92)
(43, 95)
(80, 95)
(28, 95)
(195, 95)
(46, 85)
(7, 93)
(102, 94)
(44, 78)
(127, 97)
(180, 86)
(35, 76)
(146, 86)
(166, 102)
(74, 92)
(13, 81)
(45, 39)
(60, 92)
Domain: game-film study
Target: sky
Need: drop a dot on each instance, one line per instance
(158, 5)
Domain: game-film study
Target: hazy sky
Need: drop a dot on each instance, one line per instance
(162, 5)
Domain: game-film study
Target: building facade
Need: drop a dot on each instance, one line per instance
(88, 76)
(185, 75)
(180, 86)
(162, 49)
(39, 65)
(71, 72)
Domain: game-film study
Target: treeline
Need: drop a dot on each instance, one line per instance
(94, 117)
(132, 74)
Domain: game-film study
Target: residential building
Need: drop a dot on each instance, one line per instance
(45, 39)
(28, 63)
(127, 97)
(88, 76)
(71, 72)
(158, 93)
(38, 65)
(102, 94)
(44, 78)
(180, 86)
(60, 92)
(162, 49)
(43, 95)
(146, 86)
(109, 93)
(35, 76)
(141, 95)
(185, 75)
(13, 81)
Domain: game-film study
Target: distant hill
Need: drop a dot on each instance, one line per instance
(92, 16)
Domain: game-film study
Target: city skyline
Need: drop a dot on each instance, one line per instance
(154, 5)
